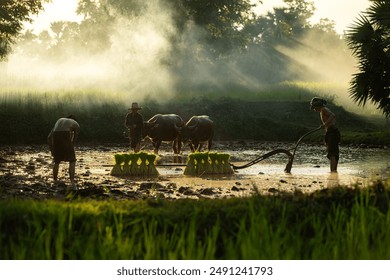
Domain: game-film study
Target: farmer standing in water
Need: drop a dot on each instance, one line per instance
(332, 135)
(135, 123)
(61, 142)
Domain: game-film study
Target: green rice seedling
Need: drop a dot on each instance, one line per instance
(214, 163)
(202, 163)
(225, 162)
(117, 169)
(198, 159)
(208, 164)
(190, 168)
(134, 169)
(143, 168)
(126, 165)
(151, 159)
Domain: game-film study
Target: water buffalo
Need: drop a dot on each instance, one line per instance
(164, 128)
(197, 130)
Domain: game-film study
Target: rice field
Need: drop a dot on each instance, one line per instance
(338, 223)
(27, 116)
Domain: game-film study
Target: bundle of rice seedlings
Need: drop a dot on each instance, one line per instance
(117, 169)
(208, 163)
(214, 163)
(126, 166)
(225, 162)
(134, 164)
(208, 169)
(198, 160)
(202, 163)
(208, 166)
(190, 168)
(151, 159)
(143, 168)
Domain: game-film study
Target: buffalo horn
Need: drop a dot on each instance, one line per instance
(194, 125)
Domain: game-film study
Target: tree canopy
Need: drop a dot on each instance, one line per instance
(13, 13)
(369, 39)
(228, 25)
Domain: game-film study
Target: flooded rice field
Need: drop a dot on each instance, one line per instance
(25, 172)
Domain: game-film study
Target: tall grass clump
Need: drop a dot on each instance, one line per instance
(339, 223)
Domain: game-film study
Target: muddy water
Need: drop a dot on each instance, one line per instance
(310, 170)
(27, 171)
(312, 160)
(308, 160)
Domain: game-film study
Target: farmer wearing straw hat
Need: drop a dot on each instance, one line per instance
(332, 135)
(135, 122)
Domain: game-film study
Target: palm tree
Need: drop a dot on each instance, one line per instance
(369, 40)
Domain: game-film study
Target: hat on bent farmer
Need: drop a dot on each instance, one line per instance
(135, 106)
(317, 102)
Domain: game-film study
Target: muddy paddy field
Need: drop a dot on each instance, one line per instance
(26, 172)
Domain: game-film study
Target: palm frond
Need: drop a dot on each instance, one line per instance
(379, 12)
(359, 33)
(369, 40)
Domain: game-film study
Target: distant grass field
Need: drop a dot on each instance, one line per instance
(276, 113)
(339, 223)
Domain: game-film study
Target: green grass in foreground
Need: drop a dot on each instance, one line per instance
(339, 223)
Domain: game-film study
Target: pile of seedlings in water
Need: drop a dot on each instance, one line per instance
(135, 164)
(208, 164)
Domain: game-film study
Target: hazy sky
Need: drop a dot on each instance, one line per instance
(343, 12)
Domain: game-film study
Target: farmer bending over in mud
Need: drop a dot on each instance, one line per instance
(135, 123)
(332, 135)
(61, 140)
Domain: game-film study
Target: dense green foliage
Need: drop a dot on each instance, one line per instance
(338, 223)
(369, 38)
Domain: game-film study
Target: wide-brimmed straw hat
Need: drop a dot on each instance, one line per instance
(135, 106)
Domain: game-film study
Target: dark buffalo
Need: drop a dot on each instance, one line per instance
(164, 128)
(198, 129)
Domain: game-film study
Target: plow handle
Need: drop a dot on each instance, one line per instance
(289, 164)
(303, 136)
